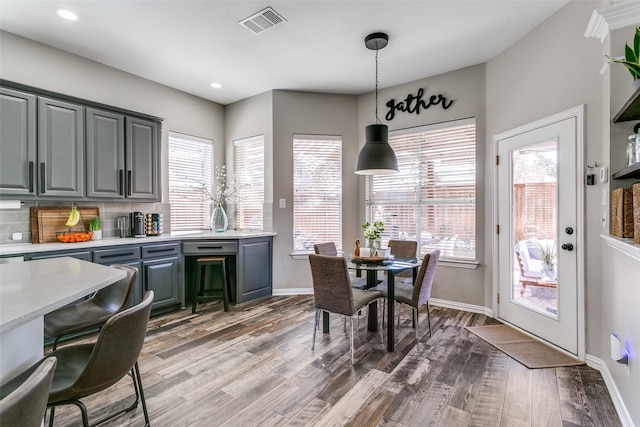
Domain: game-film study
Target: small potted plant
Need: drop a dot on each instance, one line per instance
(94, 226)
(548, 255)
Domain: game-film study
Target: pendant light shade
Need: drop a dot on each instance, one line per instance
(376, 156)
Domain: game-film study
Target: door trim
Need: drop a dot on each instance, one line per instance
(578, 114)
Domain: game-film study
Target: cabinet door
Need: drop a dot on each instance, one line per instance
(105, 154)
(60, 148)
(255, 269)
(142, 157)
(17, 143)
(161, 277)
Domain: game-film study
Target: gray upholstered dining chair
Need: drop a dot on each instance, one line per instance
(24, 403)
(94, 311)
(404, 249)
(418, 294)
(86, 369)
(333, 292)
(330, 249)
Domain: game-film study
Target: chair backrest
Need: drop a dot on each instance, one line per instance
(403, 248)
(116, 350)
(26, 405)
(331, 284)
(424, 281)
(117, 297)
(328, 248)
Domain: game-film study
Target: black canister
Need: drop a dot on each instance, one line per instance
(137, 224)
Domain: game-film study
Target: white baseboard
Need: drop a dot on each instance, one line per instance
(292, 291)
(599, 365)
(461, 306)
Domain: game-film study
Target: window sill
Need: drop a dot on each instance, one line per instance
(298, 255)
(458, 263)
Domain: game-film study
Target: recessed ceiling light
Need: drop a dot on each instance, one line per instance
(67, 14)
(216, 85)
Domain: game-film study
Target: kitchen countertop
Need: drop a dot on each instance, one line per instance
(24, 248)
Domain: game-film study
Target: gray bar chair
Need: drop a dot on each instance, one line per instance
(24, 403)
(94, 311)
(333, 292)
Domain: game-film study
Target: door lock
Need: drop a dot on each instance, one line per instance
(567, 247)
(568, 230)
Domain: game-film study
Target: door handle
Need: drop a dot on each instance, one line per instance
(567, 247)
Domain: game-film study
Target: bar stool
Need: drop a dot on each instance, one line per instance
(202, 264)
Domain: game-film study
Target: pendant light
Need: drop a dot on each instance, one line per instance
(377, 156)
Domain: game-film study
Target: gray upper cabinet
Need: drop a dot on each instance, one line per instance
(105, 154)
(61, 161)
(142, 159)
(46, 153)
(17, 143)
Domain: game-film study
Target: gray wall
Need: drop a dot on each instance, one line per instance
(467, 88)
(315, 114)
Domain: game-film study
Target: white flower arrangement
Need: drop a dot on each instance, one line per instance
(226, 189)
(373, 231)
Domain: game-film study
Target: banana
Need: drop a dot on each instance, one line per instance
(74, 217)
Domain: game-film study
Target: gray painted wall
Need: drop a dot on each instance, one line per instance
(467, 88)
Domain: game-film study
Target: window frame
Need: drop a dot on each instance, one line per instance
(424, 182)
(336, 200)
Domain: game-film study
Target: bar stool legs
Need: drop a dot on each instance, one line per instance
(202, 264)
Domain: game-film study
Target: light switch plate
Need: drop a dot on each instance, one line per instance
(282, 203)
(604, 175)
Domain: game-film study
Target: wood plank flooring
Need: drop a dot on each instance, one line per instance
(253, 366)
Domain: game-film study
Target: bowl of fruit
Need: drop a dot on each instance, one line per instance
(75, 217)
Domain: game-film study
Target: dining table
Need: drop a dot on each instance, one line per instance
(371, 266)
(31, 289)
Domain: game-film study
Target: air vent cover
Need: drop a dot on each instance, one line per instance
(262, 21)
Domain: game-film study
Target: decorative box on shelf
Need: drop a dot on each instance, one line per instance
(636, 212)
(622, 212)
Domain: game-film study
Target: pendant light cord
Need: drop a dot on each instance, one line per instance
(377, 119)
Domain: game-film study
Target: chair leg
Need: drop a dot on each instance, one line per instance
(379, 326)
(223, 280)
(399, 308)
(415, 320)
(429, 319)
(315, 328)
(351, 318)
(55, 343)
(138, 379)
(51, 415)
(384, 306)
(196, 289)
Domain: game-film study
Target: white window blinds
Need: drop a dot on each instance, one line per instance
(432, 198)
(190, 167)
(317, 191)
(249, 168)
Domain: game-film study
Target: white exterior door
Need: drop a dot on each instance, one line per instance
(539, 185)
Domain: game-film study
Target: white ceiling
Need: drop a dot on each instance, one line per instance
(188, 44)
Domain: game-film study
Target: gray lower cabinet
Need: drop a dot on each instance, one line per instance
(17, 143)
(249, 264)
(61, 146)
(83, 255)
(129, 255)
(160, 274)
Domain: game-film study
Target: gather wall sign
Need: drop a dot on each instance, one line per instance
(415, 103)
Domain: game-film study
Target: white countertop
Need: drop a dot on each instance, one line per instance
(32, 289)
(24, 248)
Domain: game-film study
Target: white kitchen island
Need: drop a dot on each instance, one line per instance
(28, 291)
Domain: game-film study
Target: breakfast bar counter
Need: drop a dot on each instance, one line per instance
(28, 291)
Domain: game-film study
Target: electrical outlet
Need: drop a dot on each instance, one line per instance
(605, 197)
(604, 219)
(282, 203)
(16, 236)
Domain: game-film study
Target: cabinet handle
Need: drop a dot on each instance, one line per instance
(129, 176)
(121, 182)
(31, 177)
(154, 251)
(117, 255)
(209, 247)
(42, 178)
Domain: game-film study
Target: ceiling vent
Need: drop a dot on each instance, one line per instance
(262, 21)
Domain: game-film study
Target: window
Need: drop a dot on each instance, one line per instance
(249, 168)
(317, 191)
(190, 167)
(432, 198)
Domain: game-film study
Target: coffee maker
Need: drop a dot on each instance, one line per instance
(137, 224)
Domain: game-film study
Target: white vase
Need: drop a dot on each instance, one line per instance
(97, 235)
(219, 220)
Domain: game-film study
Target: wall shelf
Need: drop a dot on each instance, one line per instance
(631, 172)
(631, 109)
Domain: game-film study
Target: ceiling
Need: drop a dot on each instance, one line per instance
(188, 44)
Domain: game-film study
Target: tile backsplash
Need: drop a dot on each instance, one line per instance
(17, 220)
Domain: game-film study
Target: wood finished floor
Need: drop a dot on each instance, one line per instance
(253, 366)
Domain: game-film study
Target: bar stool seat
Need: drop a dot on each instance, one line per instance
(202, 264)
